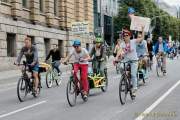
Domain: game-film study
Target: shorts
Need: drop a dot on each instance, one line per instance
(35, 68)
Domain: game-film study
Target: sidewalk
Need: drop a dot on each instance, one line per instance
(16, 73)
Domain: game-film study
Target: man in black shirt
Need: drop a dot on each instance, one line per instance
(55, 53)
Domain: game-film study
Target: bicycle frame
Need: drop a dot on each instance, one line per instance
(76, 80)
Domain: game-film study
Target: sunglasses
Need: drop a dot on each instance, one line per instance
(76, 46)
(126, 35)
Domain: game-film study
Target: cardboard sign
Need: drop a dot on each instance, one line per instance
(80, 27)
(138, 22)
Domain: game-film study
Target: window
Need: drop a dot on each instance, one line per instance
(41, 5)
(32, 40)
(47, 45)
(11, 45)
(61, 48)
(56, 10)
(24, 3)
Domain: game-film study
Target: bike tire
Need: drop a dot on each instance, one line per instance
(49, 82)
(19, 87)
(123, 82)
(117, 69)
(104, 88)
(59, 80)
(158, 70)
(74, 92)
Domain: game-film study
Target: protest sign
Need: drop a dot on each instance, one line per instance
(138, 22)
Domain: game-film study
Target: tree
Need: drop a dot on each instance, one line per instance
(165, 26)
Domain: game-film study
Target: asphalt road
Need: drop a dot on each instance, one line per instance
(157, 100)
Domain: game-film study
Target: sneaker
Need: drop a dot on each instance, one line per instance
(85, 98)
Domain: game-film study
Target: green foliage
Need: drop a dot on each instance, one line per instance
(164, 26)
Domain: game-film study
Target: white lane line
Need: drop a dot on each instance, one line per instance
(149, 109)
(22, 109)
(7, 89)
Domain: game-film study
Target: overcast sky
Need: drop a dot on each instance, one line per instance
(172, 2)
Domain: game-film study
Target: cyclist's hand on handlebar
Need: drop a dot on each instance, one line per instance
(33, 64)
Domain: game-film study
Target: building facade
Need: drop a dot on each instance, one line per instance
(108, 8)
(47, 22)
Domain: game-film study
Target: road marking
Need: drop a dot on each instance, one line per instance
(22, 109)
(149, 109)
(7, 89)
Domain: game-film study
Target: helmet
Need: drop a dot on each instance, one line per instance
(99, 40)
(77, 42)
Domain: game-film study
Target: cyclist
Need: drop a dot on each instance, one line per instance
(129, 53)
(31, 54)
(161, 49)
(117, 47)
(81, 57)
(142, 51)
(98, 55)
(150, 49)
(55, 53)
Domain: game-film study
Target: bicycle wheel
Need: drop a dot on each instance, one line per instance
(117, 69)
(71, 92)
(123, 90)
(22, 89)
(105, 82)
(158, 69)
(49, 79)
(59, 79)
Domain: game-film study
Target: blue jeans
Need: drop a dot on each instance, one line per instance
(56, 65)
(134, 68)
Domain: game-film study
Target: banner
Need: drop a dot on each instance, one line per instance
(80, 27)
(138, 22)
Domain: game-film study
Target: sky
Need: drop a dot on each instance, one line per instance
(172, 2)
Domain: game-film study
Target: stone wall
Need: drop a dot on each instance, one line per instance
(29, 21)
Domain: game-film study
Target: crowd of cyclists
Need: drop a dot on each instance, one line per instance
(125, 49)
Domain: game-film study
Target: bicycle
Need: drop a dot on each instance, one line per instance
(141, 69)
(159, 66)
(118, 67)
(73, 88)
(150, 62)
(52, 76)
(97, 80)
(125, 85)
(26, 83)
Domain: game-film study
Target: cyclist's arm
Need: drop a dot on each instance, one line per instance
(68, 57)
(35, 59)
(92, 52)
(48, 56)
(138, 40)
(20, 56)
(115, 49)
(104, 53)
(147, 52)
(119, 54)
(87, 56)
